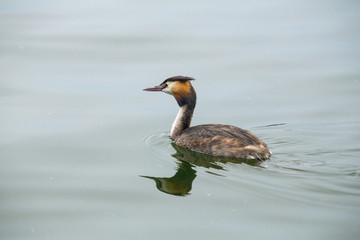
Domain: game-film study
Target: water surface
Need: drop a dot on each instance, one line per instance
(78, 134)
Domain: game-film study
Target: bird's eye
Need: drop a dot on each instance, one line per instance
(164, 85)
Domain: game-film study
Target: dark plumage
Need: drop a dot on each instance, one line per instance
(222, 140)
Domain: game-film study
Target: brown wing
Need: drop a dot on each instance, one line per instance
(223, 140)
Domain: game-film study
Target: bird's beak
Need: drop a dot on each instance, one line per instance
(154, 89)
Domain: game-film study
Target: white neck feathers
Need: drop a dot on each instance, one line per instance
(177, 125)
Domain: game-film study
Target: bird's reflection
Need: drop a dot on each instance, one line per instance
(181, 183)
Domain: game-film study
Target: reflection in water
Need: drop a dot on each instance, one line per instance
(181, 183)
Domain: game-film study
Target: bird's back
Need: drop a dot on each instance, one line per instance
(223, 140)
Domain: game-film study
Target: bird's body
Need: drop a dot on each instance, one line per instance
(223, 140)
(212, 139)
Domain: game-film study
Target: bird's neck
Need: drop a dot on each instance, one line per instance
(182, 121)
(184, 116)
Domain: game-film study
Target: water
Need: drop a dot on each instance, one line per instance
(77, 134)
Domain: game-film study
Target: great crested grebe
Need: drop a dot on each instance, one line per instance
(212, 139)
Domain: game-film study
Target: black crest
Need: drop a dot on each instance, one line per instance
(178, 78)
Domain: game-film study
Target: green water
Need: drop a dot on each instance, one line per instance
(85, 153)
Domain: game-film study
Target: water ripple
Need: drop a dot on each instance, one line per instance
(159, 143)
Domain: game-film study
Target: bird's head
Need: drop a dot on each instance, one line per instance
(178, 86)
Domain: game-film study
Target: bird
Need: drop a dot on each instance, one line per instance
(211, 139)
